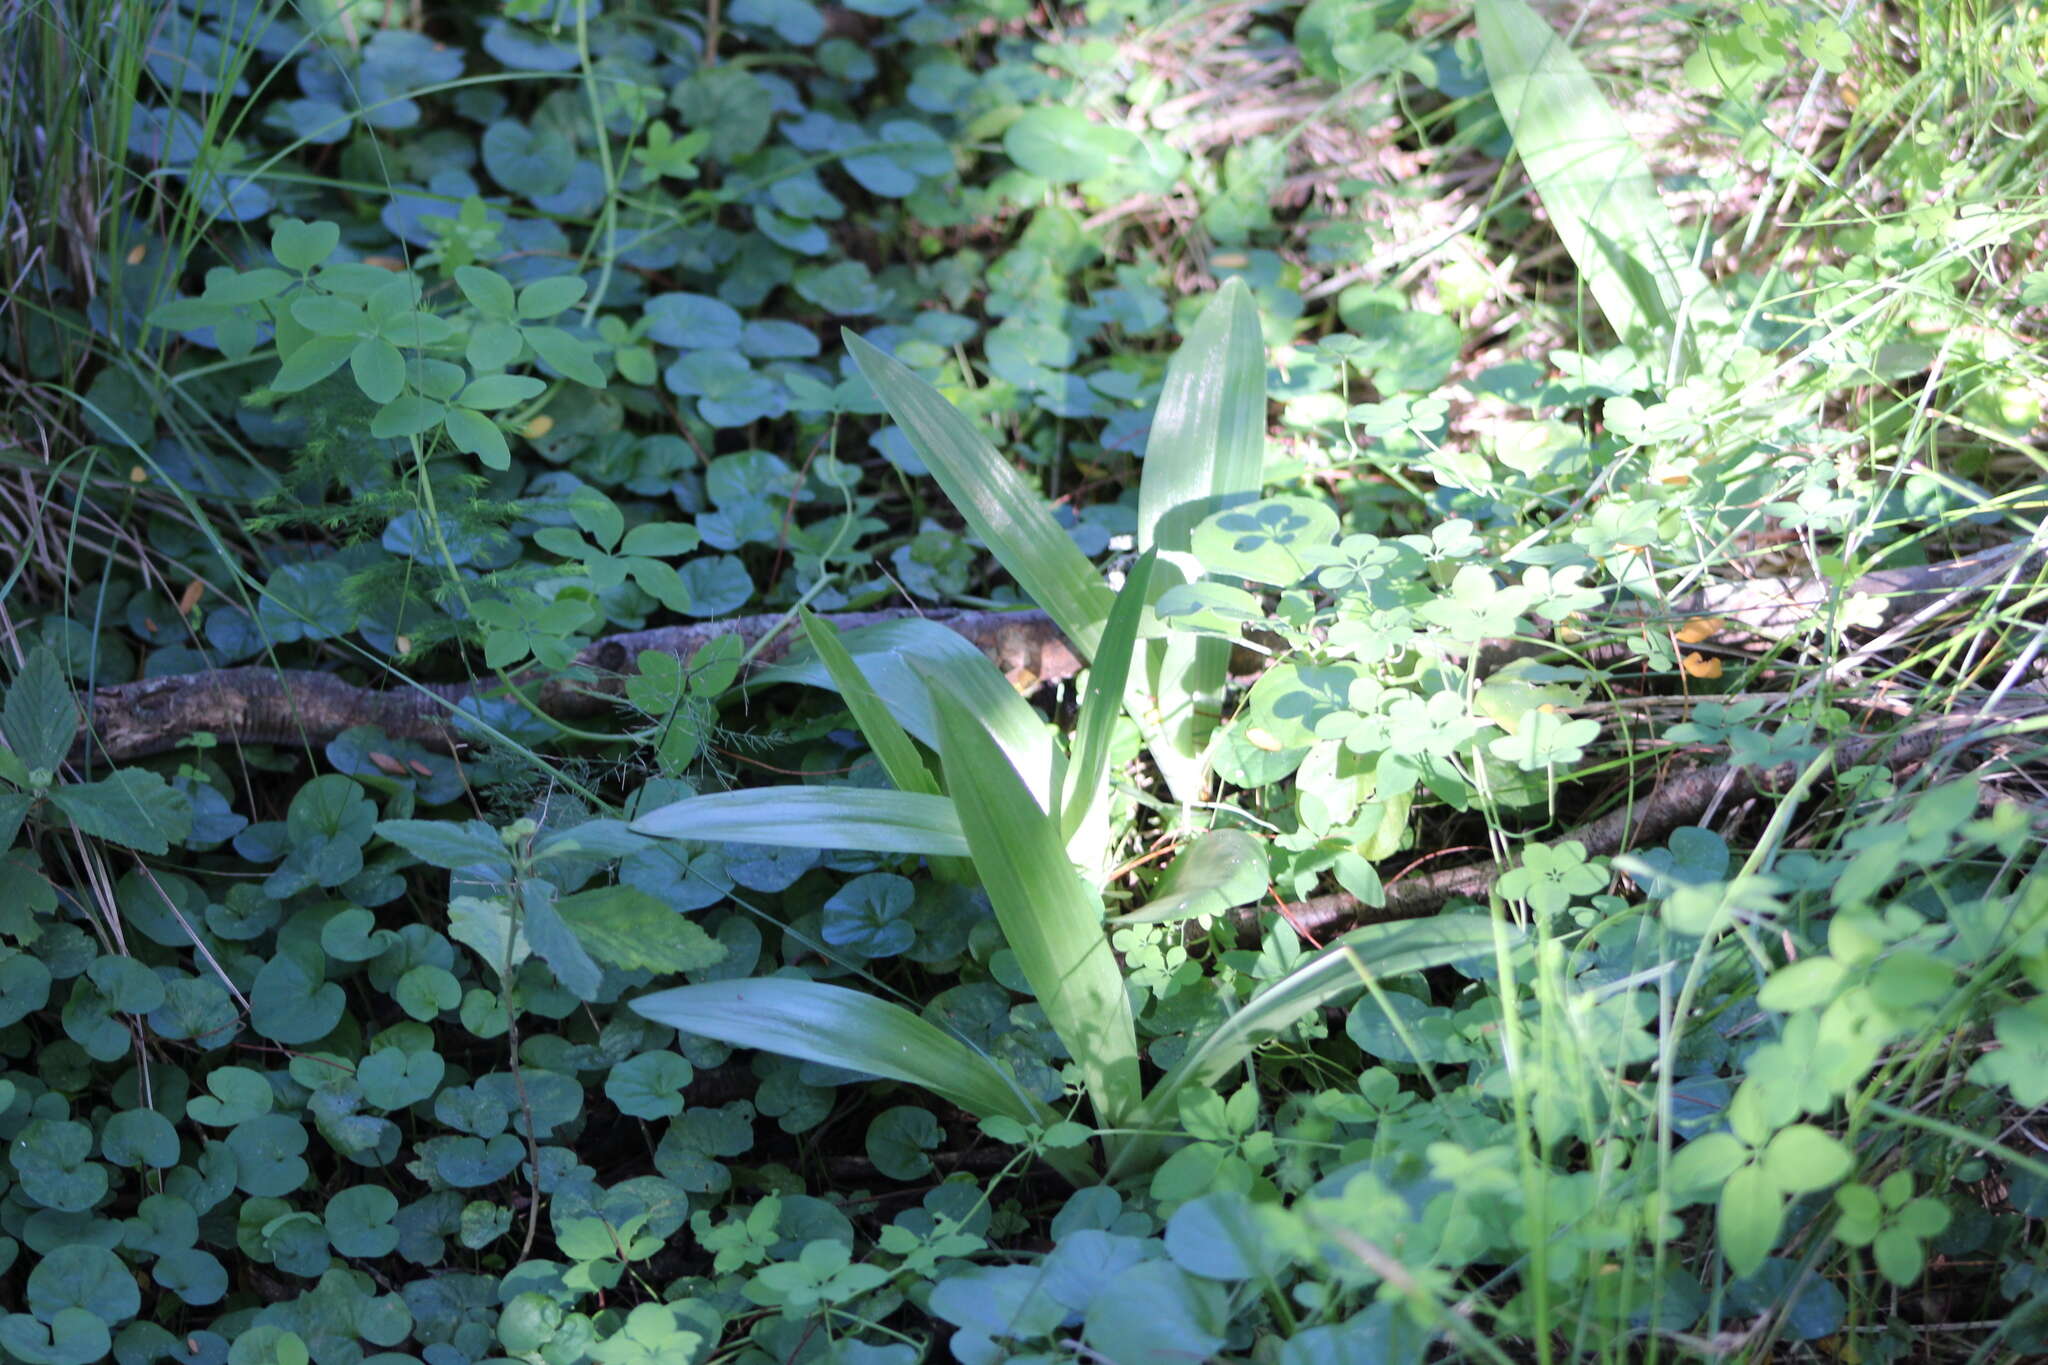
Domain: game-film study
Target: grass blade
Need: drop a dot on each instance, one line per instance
(1048, 916)
(884, 734)
(882, 653)
(1207, 449)
(1008, 514)
(1591, 177)
(1103, 700)
(857, 818)
(840, 1027)
(1376, 951)
(1206, 452)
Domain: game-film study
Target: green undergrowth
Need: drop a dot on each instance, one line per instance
(1386, 402)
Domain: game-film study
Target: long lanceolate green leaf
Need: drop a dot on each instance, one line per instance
(839, 1027)
(883, 651)
(883, 732)
(1206, 452)
(858, 818)
(1207, 449)
(1374, 952)
(1101, 703)
(1592, 179)
(1048, 916)
(1008, 514)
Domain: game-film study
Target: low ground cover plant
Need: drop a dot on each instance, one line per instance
(902, 681)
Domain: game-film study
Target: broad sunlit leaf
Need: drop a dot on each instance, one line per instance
(1592, 179)
(1008, 514)
(1051, 920)
(813, 817)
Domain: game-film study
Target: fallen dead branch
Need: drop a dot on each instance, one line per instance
(309, 708)
(1680, 798)
(253, 705)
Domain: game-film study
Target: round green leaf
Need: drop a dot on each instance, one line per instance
(140, 1137)
(898, 1140)
(51, 1161)
(301, 246)
(193, 1275)
(266, 1152)
(87, 1277)
(1060, 143)
(649, 1086)
(527, 161)
(359, 1221)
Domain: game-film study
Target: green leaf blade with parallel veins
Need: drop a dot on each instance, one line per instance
(1009, 515)
(835, 1026)
(814, 817)
(1050, 919)
(1592, 179)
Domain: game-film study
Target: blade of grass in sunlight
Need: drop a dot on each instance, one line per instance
(1208, 443)
(1593, 181)
(1206, 451)
(1102, 702)
(835, 1026)
(1381, 950)
(882, 652)
(1048, 916)
(1009, 515)
(884, 734)
(858, 818)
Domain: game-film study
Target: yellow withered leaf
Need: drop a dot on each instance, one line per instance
(1698, 629)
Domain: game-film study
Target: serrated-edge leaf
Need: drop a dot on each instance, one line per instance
(39, 717)
(447, 844)
(1048, 916)
(856, 818)
(1007, 514)
(132, 806)
(621, 926)
(550, 935)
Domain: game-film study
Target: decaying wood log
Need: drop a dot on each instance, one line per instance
(253, 705)
(305, 707)
(1679, 798)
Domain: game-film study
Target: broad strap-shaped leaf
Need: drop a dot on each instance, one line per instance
(1103, 699)
(856, 818)
(883, 652)
(1592, 179)
(1207, 450)
(1375, 952)
(1008, 514)
(883, 732)
(1048, 916)
(1206, 453)
(841, 1027)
